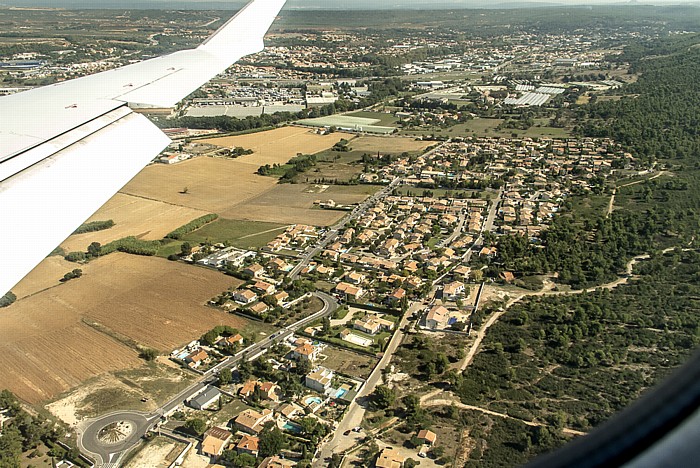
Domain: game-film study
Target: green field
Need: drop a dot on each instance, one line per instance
(241, 234)
(382, 118)
(487, 128)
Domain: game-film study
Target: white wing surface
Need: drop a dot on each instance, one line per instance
(65, 149)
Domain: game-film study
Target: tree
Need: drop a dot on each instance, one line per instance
(7, 299)
(95, 249)
(225, 376)
(272, 441)
(383, 397)
(196, 426)
(185, 249)
(148, 354)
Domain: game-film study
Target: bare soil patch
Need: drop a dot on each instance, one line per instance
(49, 347)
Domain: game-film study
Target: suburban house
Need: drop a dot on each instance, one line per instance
(453, 291)
(248, 444)
(254, 270)
(215, 441)
(264, 287)
(230, 340)
(437, 317)
(305, 351)
(267, 390)
(372, 325)
(389, 458)
(259, 308)
(396, 296)
(245, 296)
(320, 379)
(281, 296)
(427, 437)
(196, 357)
(350, 291)
(205, 398)
(251, 421)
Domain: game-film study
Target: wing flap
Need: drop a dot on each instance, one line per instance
(43, 204)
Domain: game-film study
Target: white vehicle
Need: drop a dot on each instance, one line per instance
(65, 149)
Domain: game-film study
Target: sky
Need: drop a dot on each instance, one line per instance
(328, 4)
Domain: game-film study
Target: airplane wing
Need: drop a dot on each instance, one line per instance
(65, 149)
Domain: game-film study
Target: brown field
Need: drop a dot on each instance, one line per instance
(277, 146)
(48, 346)
(213, 185)
(291, 203)
(388, 144)
(133, 216)
(46, 275)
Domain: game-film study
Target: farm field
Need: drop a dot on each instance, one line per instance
(487, 128)
(384, 118)
(133, 216)
(213, 184)
(56, 339)
(277, 146)
(242, 234)
(293, 203)
(372, 144)
(46, 275)
(333, 167)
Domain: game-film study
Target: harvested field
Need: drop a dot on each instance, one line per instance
(213, 185)
(372, 144)
(242, 234)
(278, 146)
(54, 340)
(46, 275)
(133, 216)
(292, 203)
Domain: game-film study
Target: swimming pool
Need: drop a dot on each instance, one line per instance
(290, 426)
(341, 391)
(313, 399)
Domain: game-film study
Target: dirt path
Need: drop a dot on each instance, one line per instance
(281, 228)
(612, 197)
(458, 404)
(481, 334)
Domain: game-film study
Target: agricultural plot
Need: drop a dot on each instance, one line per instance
(294, 203)
(374, 144)
(277, 146)
(333, 167)
(213, 185)
(56, 339)
(347, 122)
(133, 216)
(46, 275)
(242, 234)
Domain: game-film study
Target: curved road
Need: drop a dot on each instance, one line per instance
(110, 454)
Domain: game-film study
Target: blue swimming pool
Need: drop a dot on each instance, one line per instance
(341, 391)
(290, 426)
(313, 399)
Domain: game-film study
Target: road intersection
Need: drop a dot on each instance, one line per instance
(108, 438)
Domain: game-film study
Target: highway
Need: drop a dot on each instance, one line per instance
(108, 455)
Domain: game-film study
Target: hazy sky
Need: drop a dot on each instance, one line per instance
(329, 4)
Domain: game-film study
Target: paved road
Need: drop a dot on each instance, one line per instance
(332, 234)
(356, 411)
(109, 455)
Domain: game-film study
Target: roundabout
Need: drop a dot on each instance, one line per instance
(109, 437)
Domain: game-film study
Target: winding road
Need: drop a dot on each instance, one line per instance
(109, 438)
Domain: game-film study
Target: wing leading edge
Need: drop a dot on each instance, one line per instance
(65, 149)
